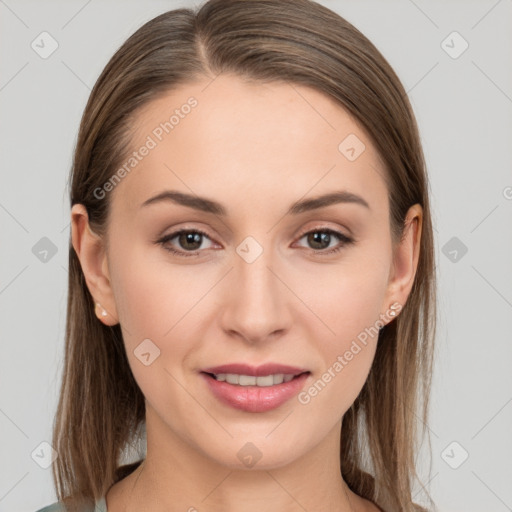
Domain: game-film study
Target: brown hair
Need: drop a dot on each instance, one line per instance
(101, 407)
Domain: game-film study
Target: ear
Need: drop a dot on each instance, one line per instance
(405, 261)
(90, 250)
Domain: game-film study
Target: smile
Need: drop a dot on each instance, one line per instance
(252, 393)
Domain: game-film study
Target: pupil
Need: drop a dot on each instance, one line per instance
(319, 238)
(186, 238)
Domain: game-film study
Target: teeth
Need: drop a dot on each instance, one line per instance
(248, 380)
(251, 380)
(231, 378)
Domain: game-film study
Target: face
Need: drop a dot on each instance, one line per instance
(254, 281)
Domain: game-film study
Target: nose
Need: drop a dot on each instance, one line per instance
(257, 301)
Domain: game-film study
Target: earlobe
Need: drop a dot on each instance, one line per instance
(90, 250)
(104, 316)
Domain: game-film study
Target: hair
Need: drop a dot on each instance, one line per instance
(101, 408)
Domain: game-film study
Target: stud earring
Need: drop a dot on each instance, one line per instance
(392, 312)
(103, 311)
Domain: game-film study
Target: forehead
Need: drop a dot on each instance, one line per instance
(235, 139)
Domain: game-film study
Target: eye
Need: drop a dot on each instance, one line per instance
(190, 239)
(321, 238)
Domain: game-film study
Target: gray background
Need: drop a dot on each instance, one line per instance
(464, 109)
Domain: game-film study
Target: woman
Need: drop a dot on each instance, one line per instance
(251, 272)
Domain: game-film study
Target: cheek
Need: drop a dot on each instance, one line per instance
(152, 294)
(152, 302)
(346, 298)
(157, 301)
(348, 301)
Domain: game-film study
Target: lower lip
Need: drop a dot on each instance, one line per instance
(255, 398)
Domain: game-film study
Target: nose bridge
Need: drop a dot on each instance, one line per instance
(255, 306)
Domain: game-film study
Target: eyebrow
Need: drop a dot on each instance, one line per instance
(209, 206)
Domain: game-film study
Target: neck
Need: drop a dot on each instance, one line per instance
(177, 477)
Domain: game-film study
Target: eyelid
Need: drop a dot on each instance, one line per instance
(325, 227)
(344, 239)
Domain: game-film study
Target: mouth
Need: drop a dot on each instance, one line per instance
(254, 389)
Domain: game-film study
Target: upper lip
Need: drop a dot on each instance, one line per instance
(257, 371)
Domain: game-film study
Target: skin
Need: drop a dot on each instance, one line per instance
(239, 146)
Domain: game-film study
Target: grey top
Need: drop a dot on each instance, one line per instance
(100, 506)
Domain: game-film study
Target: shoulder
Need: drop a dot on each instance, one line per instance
(58, 506)
(54, 507)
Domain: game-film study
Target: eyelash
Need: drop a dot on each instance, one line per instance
(345, 240)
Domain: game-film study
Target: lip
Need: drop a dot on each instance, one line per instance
(255, 371)
(254, 398)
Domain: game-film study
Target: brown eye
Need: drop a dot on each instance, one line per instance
(189, 240)
(320, 239)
